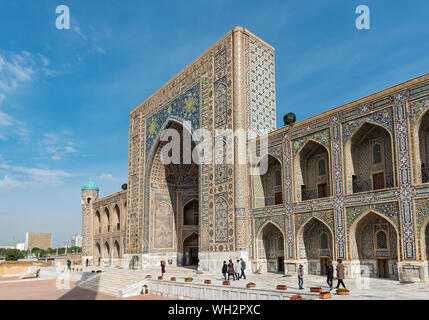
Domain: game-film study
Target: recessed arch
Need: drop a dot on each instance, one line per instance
(266, 192)
(421, 147)
(310, 181)
(424, 240)
(315, 245)
(116, 250)
(106, 220)
(190, 249)
(106, 251)
(97, 222)
(364, 171)
(117, 218)
(163, 186)
(191, 212)
(270, 244)
(365, 235)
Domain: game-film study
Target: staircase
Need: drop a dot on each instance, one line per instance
(115, 284)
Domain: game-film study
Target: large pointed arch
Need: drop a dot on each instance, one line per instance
(163, 198)
(369, 176)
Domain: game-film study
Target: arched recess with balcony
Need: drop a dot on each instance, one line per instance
(421, 146)
(369, 159)
(267, 186)
(312, 172)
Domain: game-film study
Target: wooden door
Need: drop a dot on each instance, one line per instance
(322, 190)
(279, 198)
(323, 263)
(378, 180)
(383, 268)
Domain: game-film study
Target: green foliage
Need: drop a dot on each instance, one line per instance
(14, 254)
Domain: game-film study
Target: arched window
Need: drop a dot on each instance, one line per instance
(190, 213)
(322, 167)
(376, 153)
(381, 240)
(89, 200)
(324, 241)
(278, 178)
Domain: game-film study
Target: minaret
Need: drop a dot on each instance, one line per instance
(89, 193)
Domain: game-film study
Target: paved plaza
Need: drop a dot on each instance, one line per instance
(14, 288)
(368, 288)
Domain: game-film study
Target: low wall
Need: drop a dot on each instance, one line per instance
(18, 267)
(196, 291)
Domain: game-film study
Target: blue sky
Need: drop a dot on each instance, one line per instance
(65, 95)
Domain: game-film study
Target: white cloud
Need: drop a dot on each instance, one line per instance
(57, 146)
(20, 176)
(5, 119)
(108, 177)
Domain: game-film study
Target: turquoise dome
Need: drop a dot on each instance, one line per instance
(90, 185)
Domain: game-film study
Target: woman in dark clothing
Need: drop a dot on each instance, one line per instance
(330, 273)
(231, 270)
(224, 270)
(162, 268)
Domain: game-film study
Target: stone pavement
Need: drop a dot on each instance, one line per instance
(368, 288)
(39, 289)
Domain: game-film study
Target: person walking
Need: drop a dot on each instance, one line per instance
(162, 268)
(243, 267)
(231, 270)
(237, 269)
(301, 277)
(330, 273)
(87, 262)
(340, 273)
(224, 270)
(68, 264)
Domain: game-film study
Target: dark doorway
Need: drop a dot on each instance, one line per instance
(190, 250)
(323, 265)
(281, 264)
(383, 268)
(378, 180)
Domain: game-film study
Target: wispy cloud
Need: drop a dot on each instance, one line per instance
(21, 176)
(108, 177)
(57, 146)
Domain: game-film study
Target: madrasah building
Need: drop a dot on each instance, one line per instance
(351, 183)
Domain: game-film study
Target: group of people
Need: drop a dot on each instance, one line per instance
(329, 273)
(236, 271)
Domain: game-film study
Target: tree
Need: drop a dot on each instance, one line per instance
(14, 254)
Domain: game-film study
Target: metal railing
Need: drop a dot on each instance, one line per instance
(309, 194)
(425, 175)
(364, 185)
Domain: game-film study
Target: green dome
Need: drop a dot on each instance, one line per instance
(90, 185)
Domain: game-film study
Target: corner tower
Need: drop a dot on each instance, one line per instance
(89, 192)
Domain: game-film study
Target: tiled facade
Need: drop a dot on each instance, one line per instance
(232, 86)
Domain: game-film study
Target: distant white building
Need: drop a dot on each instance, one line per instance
(20, 246)
(76, 240)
